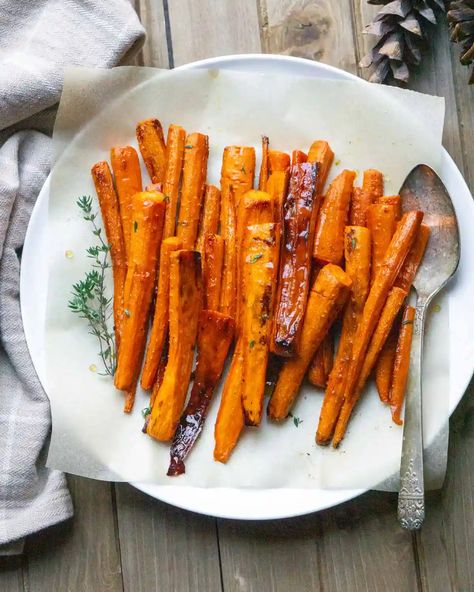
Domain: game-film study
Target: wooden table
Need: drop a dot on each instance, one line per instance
(122, 540)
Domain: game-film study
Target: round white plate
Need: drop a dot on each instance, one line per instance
(268, 503)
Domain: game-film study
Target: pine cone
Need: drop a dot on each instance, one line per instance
(461, 23)
(403, 30)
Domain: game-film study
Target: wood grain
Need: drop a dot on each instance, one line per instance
(164, 548)
(155, 50)
(13, 571)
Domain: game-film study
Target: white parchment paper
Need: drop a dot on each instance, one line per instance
(367, 126)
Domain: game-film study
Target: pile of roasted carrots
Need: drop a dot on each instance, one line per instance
(268, 270)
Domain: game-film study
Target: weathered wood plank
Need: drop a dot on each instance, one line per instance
(155, 50)
(164, 548)
(212, 27)
(12, 570)
(81, 555)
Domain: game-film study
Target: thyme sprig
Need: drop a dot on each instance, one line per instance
(89, 295)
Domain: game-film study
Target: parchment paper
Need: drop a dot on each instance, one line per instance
(367, 126)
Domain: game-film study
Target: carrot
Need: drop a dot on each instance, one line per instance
(160, 373)
(128, 181)
(210, 215)
(278, 161)
(322, 363)
(329, 237)
(148, 217)
(298, 157)
(412, 262)
(109, 207)
(192, 188)
(392, 200)
(381, 221)
(295, 262)
(260, 253)
(156, 187)
(174, 167)
(277, 187)
(320, 152)
(212, 260)
(159, 328)
(327, 297)
(264, 167)
(184, 309)
(238, 169)
(360, 203)
(401, 364)
(152, 147)
(384, 366)
(372, 184)
(357, 254)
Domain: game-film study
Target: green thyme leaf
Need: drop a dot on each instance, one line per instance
(135, 226)
(146, 412)
(252, 344)
(256, 257)
(297, 421)
(188, 146)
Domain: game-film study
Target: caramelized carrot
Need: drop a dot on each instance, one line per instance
(174, 166)
(295, 263)
(360, 203)
(384, 366)
(298, 157)
(412, 262)
(264, 167)
(322, 363)
(278, 161)
(160, 374)
(196, 152)
(401, 364)
(320, 153)
(327, 297)
(372, 184)
(392, 200)
(210, 215)
(277, 187)
(128, 181)
(212, 261)
(329, 237)
(151, 142)
(109, 207)
(381, 221)
(159, 328)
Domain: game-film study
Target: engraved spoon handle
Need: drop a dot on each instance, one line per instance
(411, 498)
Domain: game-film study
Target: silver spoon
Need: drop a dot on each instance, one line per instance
(423, 190)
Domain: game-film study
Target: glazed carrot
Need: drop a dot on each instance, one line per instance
(360, 203)
(196, 152)
(159, 328)
(277, 187)
(392, 200)
(160, 374)
(210, 215)
(278, 161)
(238, 169)
(357, 255)
(329, 237)
(381, 221)
(264, 167)
(401, 364)
(298, 157)
(128, 181)
(175, 143)
(148, 216)
(109, 207)
(415, 255)
(320, 152)
(156, 187)
(212, 261)
(260, 253)
(326, 299)
(184, 309)
(152, 147)
(295, 262)
(322, 363)
(384, 365)
(372, 184)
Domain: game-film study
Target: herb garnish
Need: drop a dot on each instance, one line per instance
(256, 257)
(135, 226)
(297, 421)
(252, 344)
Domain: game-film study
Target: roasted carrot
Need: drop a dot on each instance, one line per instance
(128, 181)
(160, 374)
(295, 262)
(215, 335)
(357, 255)
(401, 364)
(184, 309)
(212, 261)
(298, 157)
(159, 328)
(277, 187)
(148, 215)
(384, 365)
(326, 299)
(322, 363)
(196, 152)
(415, 255)
(360, 203)
(278, 161)
(175, 143)
(392, 200)
(320, 153)
(109, 207)
(260, 254)
(210, 215)
(372, 184)
(264, 167)
(329, 237)
(381, 221)
(151, 142)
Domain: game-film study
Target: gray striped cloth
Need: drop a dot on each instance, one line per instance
(37, 40)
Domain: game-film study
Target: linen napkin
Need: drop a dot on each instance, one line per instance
(37, 40)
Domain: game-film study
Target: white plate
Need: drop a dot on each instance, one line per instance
(275, 503)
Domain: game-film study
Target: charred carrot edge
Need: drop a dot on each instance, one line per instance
(210, 215)
(382, 222)
(148, 216)
(322, 363)
(175, 143)
(401, 364)
(384, 365)
(109, 207)
(392, 200)
(264, 167)
(128, 181)
(212, 262)
(320, 152)
(159, 328)
(278, 161)
(184, 309)
(298, 157)
(277, 187)
(360, 203)
(196, 153)
(412, 262)
(327, 297)
(151, 142)
(260, 253)
(372, 183)
(295, 259)
(333, 215)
